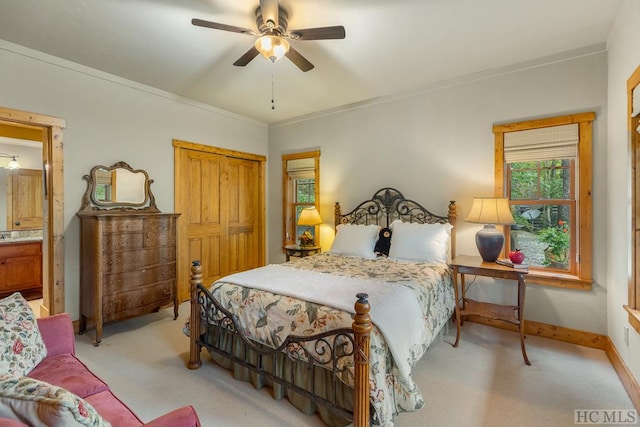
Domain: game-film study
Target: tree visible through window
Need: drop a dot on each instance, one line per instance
(543, 204)
(544, 168)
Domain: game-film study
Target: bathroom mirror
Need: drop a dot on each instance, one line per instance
(118, 187)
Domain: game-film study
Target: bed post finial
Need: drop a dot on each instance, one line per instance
(361, 330)
(336, 215)
(194, 327)
(453, 217)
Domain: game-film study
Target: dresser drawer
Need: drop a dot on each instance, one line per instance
(143, 300)
(122, 241)
(118, 225)
(160, 232)
(119, 282)
(117, 262)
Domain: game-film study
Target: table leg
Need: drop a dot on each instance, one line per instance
(521, 294)
(463, 288)
(457, 306)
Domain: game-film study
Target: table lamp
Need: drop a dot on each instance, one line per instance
(490, 211)
(309, 217)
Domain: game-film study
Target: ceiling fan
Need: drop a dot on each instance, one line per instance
(273, 33)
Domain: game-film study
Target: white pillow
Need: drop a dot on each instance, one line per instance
(355, 240)
(420, 242)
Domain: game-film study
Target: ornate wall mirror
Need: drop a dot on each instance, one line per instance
(118, 187)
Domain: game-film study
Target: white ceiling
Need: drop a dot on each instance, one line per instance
(391, 46)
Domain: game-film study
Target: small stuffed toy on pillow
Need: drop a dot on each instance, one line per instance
(384, 242)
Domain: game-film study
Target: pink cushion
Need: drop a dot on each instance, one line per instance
(113, 410)
(57, 334)
(68, 372)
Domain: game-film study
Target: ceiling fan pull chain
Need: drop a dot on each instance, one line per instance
(273, 101)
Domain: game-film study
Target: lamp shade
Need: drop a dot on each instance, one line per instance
(272, 47)
(13, 164)
(490, 211)
(309, 217)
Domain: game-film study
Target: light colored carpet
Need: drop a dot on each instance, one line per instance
(483, 382)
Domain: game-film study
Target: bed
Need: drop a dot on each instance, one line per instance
(329, 331)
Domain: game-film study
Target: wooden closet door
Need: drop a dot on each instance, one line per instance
(243, 227)
(221, 202)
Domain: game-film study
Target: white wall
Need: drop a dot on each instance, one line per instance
(110, 119)
(438, 146)
(624, 58)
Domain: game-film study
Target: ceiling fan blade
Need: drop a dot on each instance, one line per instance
(223, 27)
(247, 57)
(299, 60)
(269, 10)
(320, 33)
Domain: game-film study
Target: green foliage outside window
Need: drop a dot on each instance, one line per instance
(305, 197)
(542, 229)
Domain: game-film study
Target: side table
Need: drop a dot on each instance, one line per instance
(514, 314)
(300, 251)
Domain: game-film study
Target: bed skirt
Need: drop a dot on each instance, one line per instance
(315, 379)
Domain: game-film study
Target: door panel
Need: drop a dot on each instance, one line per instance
(221, 199)
(25, 199)
(243, 223)
(203, 222)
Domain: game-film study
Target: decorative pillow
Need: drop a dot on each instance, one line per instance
(21, 345)
(38, 403)
(383, 243)
(420, 242)
(355, 240)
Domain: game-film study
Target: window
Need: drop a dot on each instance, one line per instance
(544, 168)
(633, 96)
(300, 189)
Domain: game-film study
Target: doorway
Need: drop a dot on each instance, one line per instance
(53, 207)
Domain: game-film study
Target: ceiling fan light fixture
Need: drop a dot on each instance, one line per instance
(272, 47)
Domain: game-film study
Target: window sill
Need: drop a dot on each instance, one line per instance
(634, 317)
(567, 281)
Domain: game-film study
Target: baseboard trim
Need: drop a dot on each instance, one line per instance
(574, 336)
(628, 380)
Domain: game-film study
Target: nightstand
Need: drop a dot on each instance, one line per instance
(513, 314)
(300, 251)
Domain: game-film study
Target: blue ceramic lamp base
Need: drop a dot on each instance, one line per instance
(490, 242)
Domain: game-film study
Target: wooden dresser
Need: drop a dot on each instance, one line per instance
(127, 267)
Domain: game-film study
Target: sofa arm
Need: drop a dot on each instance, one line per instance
(8, 422)
(57, 334)
(182, 417)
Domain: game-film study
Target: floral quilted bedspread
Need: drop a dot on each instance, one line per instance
(269, 318)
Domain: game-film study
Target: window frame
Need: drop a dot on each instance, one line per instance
(288, 205)
(581, 276)
(633, 306)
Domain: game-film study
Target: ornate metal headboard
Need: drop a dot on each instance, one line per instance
(387, 205)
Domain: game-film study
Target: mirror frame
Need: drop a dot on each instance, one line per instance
(89, 202)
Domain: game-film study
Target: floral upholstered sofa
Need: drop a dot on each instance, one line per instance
(42, 383)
